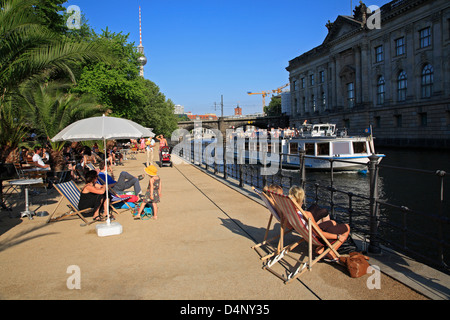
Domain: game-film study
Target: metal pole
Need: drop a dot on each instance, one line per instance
(374, 246)
(301, 155)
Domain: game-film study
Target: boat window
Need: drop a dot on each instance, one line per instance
(293, 148)
(309, 148)
(341, 148)
(359, 147)
(323, 149)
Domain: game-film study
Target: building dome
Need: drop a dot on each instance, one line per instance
(142, 60)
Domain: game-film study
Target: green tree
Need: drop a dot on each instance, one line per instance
(274, 107)
(122, 90)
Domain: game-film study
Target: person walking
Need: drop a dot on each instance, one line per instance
(149, 145)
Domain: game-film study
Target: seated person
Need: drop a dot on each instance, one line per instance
(88, 157)
(331, 230)
(124, 182)
(37, 159)
(320, 214)
(46, 155)
(93, 195)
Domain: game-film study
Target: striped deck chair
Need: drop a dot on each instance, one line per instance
(307, 229)
(69, 191)
(285, 228)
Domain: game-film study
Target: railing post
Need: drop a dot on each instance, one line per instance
(374, 246)
(241, 176)
(264, 178)
(301, 157)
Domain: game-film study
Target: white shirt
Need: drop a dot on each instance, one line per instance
(150, 146)
(37, 158)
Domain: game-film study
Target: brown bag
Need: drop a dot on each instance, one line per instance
(356, 263)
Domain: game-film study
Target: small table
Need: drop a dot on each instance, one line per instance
(26, 183)
(124, 152)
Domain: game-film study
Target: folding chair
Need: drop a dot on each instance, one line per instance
(285, 228)
(115, 197)
(307, 229)
(91, 166)
(71, 193)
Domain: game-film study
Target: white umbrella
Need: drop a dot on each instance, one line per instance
(97, 128)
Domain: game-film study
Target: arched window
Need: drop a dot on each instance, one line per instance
(380, 90)
(427, 81)
(402, 85)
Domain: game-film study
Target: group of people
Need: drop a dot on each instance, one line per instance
(330, 229)
(40, 158)
(93, 194)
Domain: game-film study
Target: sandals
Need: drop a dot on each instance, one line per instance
(98, 218)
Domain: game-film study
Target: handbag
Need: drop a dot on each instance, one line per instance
(356, 263)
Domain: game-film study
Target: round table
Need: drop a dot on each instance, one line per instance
(26, 183)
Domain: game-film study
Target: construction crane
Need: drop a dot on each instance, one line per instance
(266, 93)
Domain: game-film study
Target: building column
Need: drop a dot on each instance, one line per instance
(358, 77)
(365, 64)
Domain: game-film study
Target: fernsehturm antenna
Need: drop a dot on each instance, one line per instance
(142, 60)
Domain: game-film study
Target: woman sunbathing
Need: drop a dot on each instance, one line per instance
(331, 230)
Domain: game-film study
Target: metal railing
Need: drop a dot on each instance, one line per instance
(364, 218)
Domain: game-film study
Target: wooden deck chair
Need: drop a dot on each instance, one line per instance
(70, 191)
(115, 198)
(307, 229)
(285, 228)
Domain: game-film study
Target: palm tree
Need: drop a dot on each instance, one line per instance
(28, 47)
(49, 107)
(30, 52)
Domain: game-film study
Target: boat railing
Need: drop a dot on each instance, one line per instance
(365, 213)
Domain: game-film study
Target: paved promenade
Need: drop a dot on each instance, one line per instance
(199, 249)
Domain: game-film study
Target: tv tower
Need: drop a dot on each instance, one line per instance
(142, 60)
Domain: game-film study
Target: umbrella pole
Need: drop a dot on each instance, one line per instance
(108, 220)
(108, 229)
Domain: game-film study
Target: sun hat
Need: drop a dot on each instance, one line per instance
(151, 170)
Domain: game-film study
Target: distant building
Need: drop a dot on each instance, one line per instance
(209, 116)
(238, 111)
(395, 78)
(179, 109)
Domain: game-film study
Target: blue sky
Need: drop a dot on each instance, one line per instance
(198, 50)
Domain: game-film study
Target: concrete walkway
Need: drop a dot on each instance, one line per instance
(199, 249)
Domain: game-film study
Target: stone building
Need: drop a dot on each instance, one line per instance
(388, 68)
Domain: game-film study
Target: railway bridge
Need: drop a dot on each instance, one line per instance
(224, 123)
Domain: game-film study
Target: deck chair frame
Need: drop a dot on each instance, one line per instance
(307, 229)
(284, 227)
(69, 191)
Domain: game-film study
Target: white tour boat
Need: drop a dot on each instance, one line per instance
(323, 145)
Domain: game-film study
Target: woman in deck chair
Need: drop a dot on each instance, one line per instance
(93, 195)
(330, 229)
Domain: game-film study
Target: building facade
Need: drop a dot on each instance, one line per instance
(386, 68)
